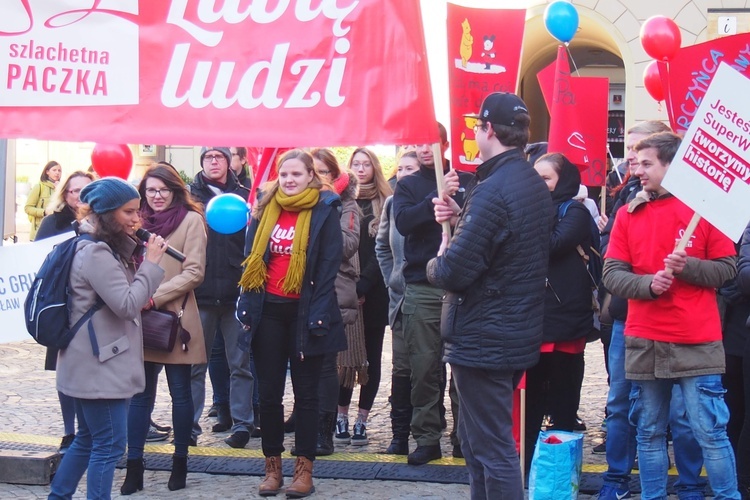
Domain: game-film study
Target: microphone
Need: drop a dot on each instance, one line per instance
(144, 235)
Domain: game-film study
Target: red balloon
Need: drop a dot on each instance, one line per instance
(652, 81)
(661, 38)
(112, 160)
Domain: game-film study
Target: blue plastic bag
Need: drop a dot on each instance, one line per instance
(556, 468)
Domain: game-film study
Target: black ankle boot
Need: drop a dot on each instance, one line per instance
(179, 474)
(326, 424)
(133, 477)
(223, 419)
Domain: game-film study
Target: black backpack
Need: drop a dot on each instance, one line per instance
(46, 307)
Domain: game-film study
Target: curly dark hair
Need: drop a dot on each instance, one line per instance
(106, 227)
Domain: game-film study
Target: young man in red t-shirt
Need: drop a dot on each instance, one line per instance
(672, 331)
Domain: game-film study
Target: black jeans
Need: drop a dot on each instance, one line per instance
(374, 334)
(274, 345)
(552, 387)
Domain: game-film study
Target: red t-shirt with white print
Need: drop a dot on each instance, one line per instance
(280, 245)
(686, 313)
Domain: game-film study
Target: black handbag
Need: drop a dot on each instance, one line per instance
(161, 329)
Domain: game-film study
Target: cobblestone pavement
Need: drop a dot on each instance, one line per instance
(28, 405)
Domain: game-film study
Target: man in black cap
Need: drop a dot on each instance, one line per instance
(217, 297)
(493, 270)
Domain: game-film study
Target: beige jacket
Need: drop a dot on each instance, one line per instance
(117, 372)
(181, 278)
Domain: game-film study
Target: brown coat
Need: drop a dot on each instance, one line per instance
(181, 278)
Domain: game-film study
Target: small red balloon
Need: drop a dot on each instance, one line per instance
(652, 81)
(112, 160)
(661, 38)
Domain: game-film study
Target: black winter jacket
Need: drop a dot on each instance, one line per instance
(370, 284)
(568, 313)
(414, 215)
(495, 267)
(320, 329)
(224, 252)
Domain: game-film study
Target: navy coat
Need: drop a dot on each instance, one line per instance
(320, 329)
(494, 269)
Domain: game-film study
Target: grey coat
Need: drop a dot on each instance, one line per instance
(389, 249)
(117, 373)
(348, 274)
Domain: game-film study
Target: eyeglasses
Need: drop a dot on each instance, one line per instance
(74, 191)
(163, 192)
(480, 126)
(211, 158)
(364, 164)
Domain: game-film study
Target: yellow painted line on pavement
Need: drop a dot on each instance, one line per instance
(211, 451)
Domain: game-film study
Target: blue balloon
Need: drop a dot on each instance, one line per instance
(227, 213)
(561, 20)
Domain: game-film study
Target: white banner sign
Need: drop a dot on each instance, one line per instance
(18, 266)
(711, 171)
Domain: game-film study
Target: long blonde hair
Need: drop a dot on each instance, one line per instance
(378, 178)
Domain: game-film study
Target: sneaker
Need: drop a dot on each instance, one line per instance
(609, 492)
(67, 440)
(600, 449)
(359, 436)
(156, 435)
(342, 435)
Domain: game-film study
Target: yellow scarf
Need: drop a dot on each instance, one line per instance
(255, 275)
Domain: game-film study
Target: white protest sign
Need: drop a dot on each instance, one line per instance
(711, 171)
(18, 266)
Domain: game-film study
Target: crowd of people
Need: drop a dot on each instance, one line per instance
(333, 254)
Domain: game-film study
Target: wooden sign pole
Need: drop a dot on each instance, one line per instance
(437, 155)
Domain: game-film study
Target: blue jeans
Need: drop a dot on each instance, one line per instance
(241, 380)
(218, 371)
(141, 406)
(99, 444)
(621, 443)
(707, 414)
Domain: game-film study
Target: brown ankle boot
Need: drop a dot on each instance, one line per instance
(274, 479)
(302, 483)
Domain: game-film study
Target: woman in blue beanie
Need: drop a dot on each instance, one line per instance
(102, 368)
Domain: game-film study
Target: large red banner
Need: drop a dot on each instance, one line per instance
(578, 117)
(484, 53)
(692, 70)
(292, 72)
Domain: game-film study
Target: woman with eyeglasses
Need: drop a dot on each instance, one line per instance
(64, 205)
(39, 197)
(371, 293)
(168, 210)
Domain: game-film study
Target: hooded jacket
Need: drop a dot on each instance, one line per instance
(568, 313)
(346, 278)
(494, 268)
